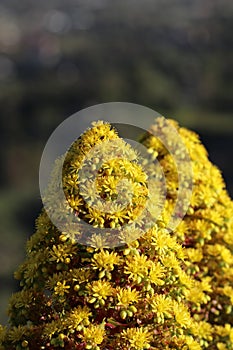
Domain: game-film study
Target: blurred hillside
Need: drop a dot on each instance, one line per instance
(57, 57)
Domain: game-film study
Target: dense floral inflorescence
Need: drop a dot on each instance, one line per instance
(163, 290)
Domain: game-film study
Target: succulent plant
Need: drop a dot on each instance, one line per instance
(163, 289)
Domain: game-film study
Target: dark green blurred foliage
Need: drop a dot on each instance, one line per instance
(57, 57)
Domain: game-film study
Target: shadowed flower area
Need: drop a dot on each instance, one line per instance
(167, 289)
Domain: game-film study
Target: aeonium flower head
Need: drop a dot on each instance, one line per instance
(161, 290)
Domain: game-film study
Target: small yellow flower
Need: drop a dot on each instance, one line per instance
(137, 267)
(99, 290)
(78, 316)
(203, 329)
(162, 306)
(192, 344)
(221, 346)
(95, 217)
(231, 335)
(228, 238)
(117, 218)
(127, 296)
(157, 274)
(163, 242)
(182, 315)
(226, 255)
(98, 241)
(137, 338)
(206, 284)
(105, 260)
(93, 335)
(170, 261)
(185, 279)
(228, 291)
(223, 331)
(51, 328)
(196, 294)
(61, 252)
(61, 288)
(194, 255)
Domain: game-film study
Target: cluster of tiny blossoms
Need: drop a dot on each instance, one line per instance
(163, 290)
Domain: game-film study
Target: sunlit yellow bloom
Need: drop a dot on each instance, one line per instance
(78, 316)
(182, 315)
(214, 250)
(227, 255)
(61, 252)
(221, 346)
(137, 338)
(93, 335)
(228, 238)
(206, 284)
(228, 291)
(203, 329)
(195, 255)
(223, 331)
(127, 296)
(192, 344)
(105, 260)
(170, 261)
(162, 242)
(184, 340)
(95, 217)
(157, 274)
(196, 294)
(231, 335)
(162, 306)
(61, 288)
(136, 267)
(184, 278)
(100, 289)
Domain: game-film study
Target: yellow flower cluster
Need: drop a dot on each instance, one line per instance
(160, 290)
(119, 173)
(93, 336)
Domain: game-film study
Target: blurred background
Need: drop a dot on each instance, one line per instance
(57, 57)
